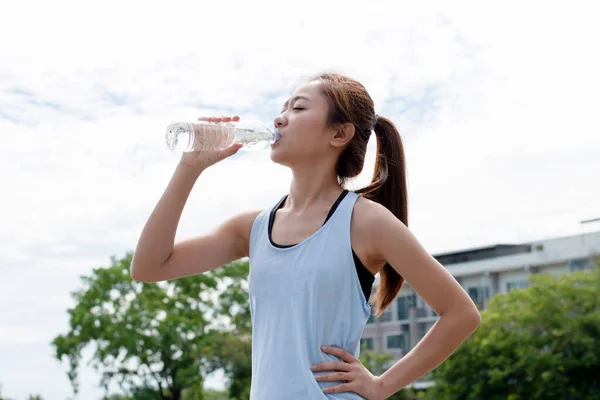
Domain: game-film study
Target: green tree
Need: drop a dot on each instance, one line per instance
(195, 392)
(236, 361)
(211, 394)
(157, 337)
(377, 363)
(538, 343)
(117, 397)
(235, 347)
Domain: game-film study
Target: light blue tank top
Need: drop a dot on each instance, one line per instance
(301, 298)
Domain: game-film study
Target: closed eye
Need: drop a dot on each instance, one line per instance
(294, 109)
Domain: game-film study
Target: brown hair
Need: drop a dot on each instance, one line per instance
(349, 101)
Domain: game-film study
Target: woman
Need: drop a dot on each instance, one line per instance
(314, 254)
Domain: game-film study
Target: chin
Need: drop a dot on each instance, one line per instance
(276, 155)
(280, 156)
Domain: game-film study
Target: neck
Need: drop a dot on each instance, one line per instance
(310, 186)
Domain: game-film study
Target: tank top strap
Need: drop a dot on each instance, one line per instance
(342, 216)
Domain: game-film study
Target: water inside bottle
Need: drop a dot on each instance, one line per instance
(251, 138)
(208, 136)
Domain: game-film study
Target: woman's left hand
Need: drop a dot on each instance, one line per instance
(357, 378)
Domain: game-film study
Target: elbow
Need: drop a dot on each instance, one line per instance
(466, 316)
(477, 318)
(135, 274)
(138, 277)
(134, 269)
(473, 318)
(139, 272)
(145, 269)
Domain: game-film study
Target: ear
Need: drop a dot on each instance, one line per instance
(343, 135)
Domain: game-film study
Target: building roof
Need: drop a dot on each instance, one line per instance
(482, 253)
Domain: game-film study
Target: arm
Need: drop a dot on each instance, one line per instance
(157, 257)
(458, 315)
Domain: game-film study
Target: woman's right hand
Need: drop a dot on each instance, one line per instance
(200, 160)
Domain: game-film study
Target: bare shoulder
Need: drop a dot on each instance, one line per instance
(233, 233)
(365, 210)
(368, 218)
(245, 219)
(242, 224)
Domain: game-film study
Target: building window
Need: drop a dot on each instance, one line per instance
(578, 264)
(396, 342)
(479, 295)
(406, 333)
(516, 285)
(367, 343)
(404, 304)
(386, 316)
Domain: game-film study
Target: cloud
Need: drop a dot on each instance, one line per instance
(496, 106)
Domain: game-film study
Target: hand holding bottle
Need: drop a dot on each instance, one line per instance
(200, 160)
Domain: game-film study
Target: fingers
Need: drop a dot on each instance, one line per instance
(231, 150)
(209, 119)
(235, 147)
(219, 119)
(341, 353)
(230, 119)
(334, 377)
(332, 366)
(344, 387)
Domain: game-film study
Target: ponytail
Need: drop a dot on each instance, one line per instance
(349, 101)
(388, 188)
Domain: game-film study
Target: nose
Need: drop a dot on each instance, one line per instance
(280, 121)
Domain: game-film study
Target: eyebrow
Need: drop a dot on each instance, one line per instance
(293, 99)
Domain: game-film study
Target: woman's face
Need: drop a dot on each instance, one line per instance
(302, 125)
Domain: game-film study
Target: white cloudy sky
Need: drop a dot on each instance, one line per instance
(497, 106)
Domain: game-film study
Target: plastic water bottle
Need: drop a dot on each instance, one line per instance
(203, 136)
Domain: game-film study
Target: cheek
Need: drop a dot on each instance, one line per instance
(296, 147)
(310, 124)
(306, 143)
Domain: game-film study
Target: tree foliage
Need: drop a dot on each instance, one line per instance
(160, 338)
(377, 363)
(538, 343)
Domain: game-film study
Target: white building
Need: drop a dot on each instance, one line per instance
(483, 272)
